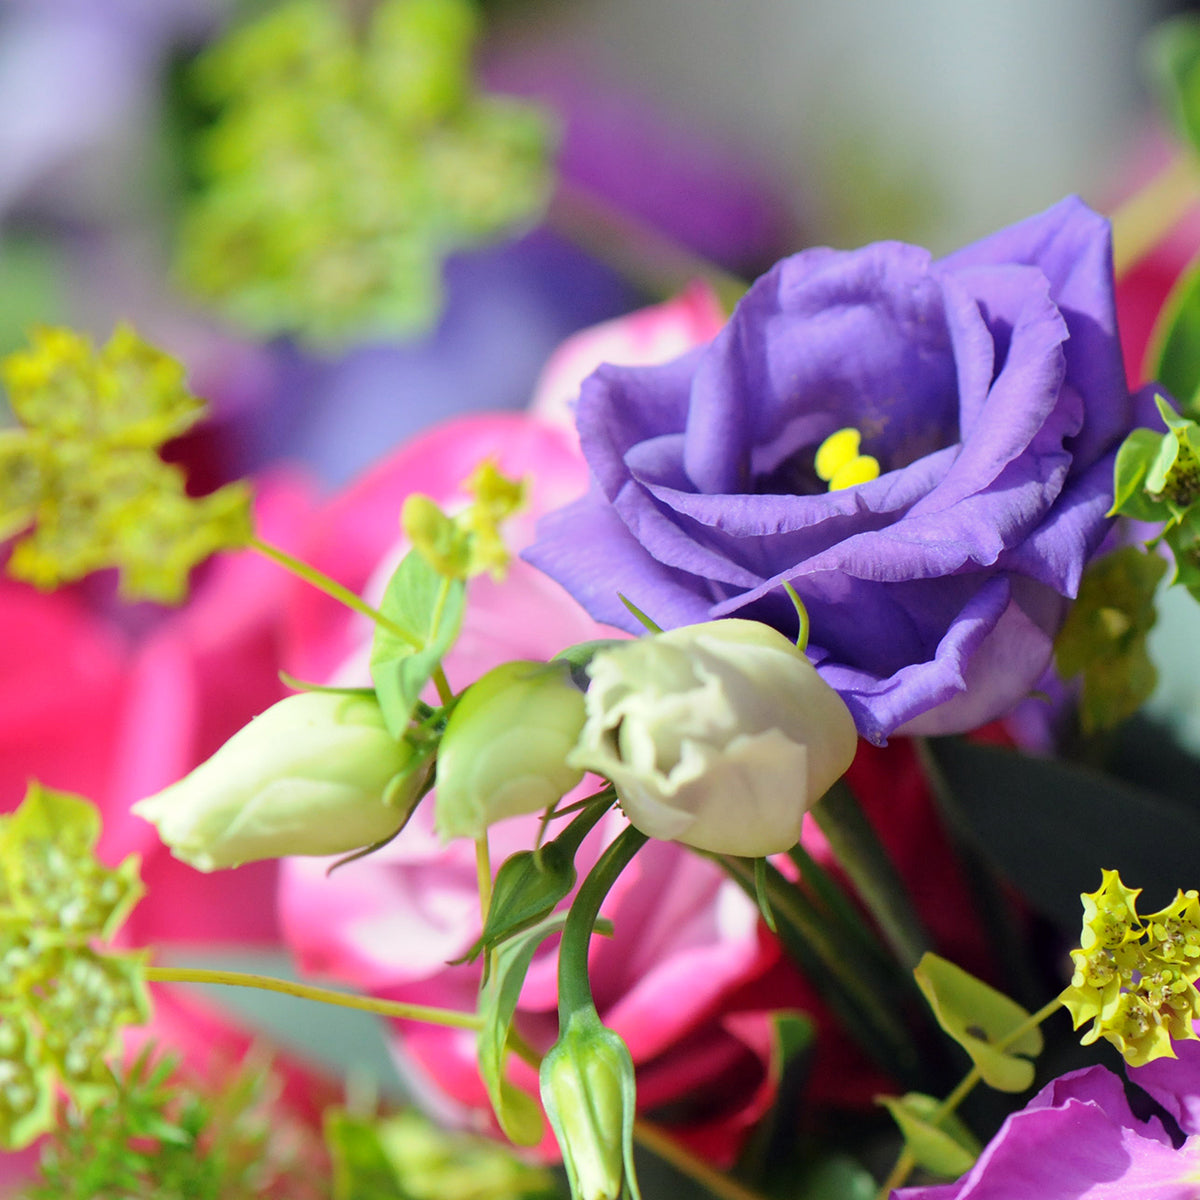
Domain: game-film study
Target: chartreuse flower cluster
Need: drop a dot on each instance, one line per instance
(1135, 976)
(347, 159)
(81, 478)
(63, 1002)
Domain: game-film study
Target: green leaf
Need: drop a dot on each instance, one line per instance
(429, 608)
(978, 1017)
(1172, 59)
(517, 1111)
(1184, 540)
(1104, 635)
(947, 1148)
(1136, 456)
(531, 883)
(1173, 357)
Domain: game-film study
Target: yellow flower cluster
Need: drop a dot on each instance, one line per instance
(1134, 976)
(82, 475)
(468, 543)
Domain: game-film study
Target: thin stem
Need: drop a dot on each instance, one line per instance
(483, 874)
(905, 1163)
(331, 587)
(643, 255)
(574, 988)
(857, 847)
(1145, 218)
(384, 1008)
(652, 1138)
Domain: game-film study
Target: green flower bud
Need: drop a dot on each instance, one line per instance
(505, 748)
(719, 735)
(317, 773)
(588, 1089)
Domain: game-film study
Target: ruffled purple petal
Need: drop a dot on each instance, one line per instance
(1076, 1140)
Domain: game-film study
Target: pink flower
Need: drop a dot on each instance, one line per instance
(116, 703)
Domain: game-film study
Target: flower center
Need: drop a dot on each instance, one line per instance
(839, 463)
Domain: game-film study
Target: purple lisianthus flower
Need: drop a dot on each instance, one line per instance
(989, 387)
(1078, 1139)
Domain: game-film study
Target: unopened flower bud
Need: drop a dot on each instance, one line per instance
(505, 748)
(588, 1090)
(317, 773)
(720, 735)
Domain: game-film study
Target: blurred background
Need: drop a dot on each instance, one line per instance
(736, 132)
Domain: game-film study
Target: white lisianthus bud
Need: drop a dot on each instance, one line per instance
(719, 735)
(308, 776)
(505, 748)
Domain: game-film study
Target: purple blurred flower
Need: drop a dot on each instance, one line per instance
(989, 386)
(1078, 1139)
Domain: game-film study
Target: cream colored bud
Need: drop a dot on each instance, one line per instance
(719, 735)
(308, 776)
(505, 748)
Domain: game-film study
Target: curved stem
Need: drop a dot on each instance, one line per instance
(574, 988)
(905, 1163)
(645, 256)
(1145, 218)
(331, 587)
(383, 1008)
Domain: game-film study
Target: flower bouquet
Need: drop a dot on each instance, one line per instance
(714, 776)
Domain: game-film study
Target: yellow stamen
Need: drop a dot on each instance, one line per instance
(839, 463)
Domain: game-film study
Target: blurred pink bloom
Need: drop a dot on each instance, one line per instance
(115, 703)
(651, 335)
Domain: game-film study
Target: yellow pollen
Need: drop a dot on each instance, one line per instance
(839, 463)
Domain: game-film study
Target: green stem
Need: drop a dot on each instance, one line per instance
(650, 1137)
(643, 255)
(857, 847)
(383, 1008)
(905, 1163)
(574, 987)
(331, 587)
(1142, 221)
(483, 874)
